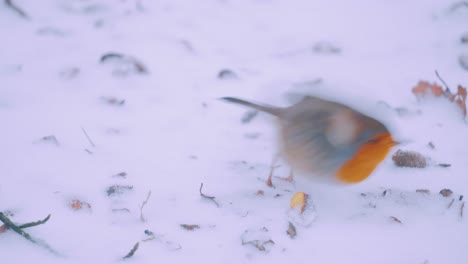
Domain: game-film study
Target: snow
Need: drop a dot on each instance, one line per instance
(172, 134)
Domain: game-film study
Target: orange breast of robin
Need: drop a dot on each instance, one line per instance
(366, 159)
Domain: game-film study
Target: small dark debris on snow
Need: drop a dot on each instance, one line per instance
(291, 230)
(396, 220)
(444, 165)
(277, 195)
(424, 191)
(431, 145)
(385, 192)
(257, 238)
(446, 192)
(410, 159)
(132, 251)
(148, 232)
(227, 74)
(111, 55)
(113, 100)
(190, 227)
(122, 174)
(369, 194)
(50, 139)
(325, 48)
(124, 64)
(460, 198)
(115, 190)
(212, 198)
(248, 116)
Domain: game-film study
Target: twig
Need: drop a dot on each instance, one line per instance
(9, 224)
(451, 203)
(134, 249)
(442, 80)
(14, 227)
(15, 8)
(212, 198)
(87, 136)
(40, 222)
(461, 209)
(142, 218)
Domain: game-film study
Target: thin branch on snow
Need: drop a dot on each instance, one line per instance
(40, 222)
(142, 218)
(212, 198)
(442, 80)
(88, 137)
(18, 229)
(15, 8)
(461, 209)
(450, 204)
(132, 251)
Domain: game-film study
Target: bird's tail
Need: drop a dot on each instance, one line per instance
(261, 107)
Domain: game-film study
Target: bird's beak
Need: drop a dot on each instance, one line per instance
(394, 143)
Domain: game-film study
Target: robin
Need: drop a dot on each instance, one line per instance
(323, 138)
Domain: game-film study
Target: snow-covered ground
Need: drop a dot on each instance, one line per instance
(170, 134)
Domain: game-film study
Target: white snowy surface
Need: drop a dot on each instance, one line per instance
(172, 133)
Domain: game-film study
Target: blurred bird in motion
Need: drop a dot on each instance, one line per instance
(328, 140)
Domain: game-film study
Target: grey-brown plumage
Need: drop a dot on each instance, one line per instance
(318, 135)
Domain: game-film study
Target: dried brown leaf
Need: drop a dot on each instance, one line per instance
(446, 192)
(78, 205)
(424, 88)
(190, 227)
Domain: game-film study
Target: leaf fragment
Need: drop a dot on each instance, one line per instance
(299, 199)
